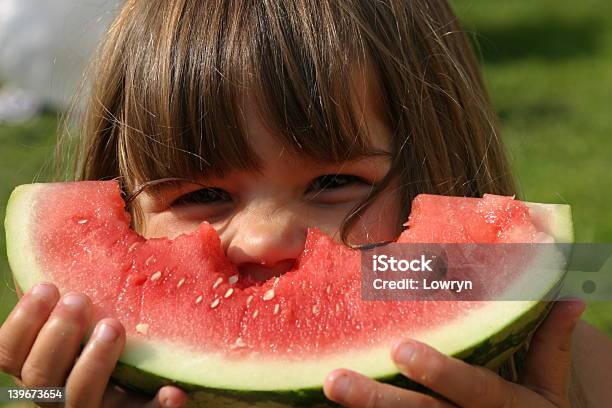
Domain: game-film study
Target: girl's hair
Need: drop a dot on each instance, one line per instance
(169, 79)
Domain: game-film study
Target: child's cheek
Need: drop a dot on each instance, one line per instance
(163, 225)
(380, 222)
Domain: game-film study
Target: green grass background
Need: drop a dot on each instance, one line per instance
(548, 66)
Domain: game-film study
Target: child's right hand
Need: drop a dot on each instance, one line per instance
(40, 342)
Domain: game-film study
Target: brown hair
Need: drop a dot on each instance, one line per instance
(169, 77)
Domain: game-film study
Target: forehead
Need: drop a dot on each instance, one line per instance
(366, 106)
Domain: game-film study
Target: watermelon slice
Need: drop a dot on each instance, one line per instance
(192, 320)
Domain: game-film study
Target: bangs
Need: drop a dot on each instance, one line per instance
(192, 66)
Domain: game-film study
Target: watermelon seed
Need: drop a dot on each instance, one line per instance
(316, 309)
(228, 293)
(214, 303)
(131, 248)
(328, 289)
(249, 299)
(276, 281)
(255, 313)
(150, 260)
(142, 328)
(83, 221)
(199, 299)
(180, 283)
(276, 308)
(155, 276)
(269, 295)
(217, 282)
(239, 343)
(337, 307)
(233, 279)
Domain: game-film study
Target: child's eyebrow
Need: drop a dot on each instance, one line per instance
(371, 154)
(374, 152)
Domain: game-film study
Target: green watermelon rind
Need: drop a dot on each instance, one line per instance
(490, 352)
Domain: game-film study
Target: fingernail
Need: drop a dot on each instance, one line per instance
(168, 403)
(106, 333)
(576, 304)
(342, 385)
(74, 300)
(405, 352)
(171, 404)
(43, 291)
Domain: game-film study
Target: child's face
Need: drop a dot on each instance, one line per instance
(262, 218)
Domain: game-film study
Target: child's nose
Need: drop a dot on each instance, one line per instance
(264, 245)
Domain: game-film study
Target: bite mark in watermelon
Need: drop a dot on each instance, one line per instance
(192, 320)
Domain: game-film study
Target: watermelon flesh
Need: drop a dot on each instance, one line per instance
(192, 319)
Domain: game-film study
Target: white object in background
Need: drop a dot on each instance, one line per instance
(18, 105)
(45, 45)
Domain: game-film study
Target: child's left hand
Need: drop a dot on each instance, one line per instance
(544, 384)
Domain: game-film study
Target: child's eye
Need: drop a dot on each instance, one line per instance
(333, 181)
(203, 196)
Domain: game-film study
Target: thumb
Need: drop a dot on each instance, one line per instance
(547, 366)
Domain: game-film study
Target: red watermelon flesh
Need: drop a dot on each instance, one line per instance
(186, 291)
(192, 320)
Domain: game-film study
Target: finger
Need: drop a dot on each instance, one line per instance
(352, 389)
(167, 397)
(19, 331)
(548, 361)
(461, 383)
(58, 343)
(89, 376)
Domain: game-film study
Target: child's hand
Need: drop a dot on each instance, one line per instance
(40, 342)
(545, 383)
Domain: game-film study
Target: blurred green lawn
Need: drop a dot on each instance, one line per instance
(548, 65)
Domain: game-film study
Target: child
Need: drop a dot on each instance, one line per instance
(263, 118)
